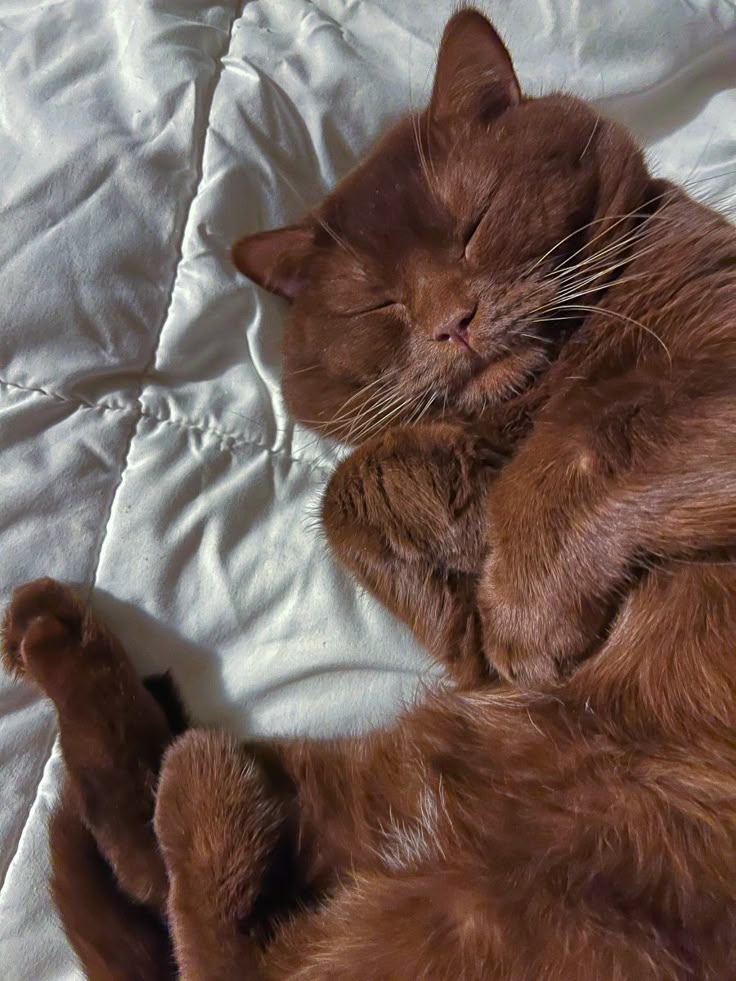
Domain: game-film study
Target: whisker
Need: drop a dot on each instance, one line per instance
(384, 401)
(568, 275)
(372, 410)
(621, 316)
(415, 125)
(566, 271)
(340, 241)
(300, 371)
(573, 292)
(638, 212)
(380, 423)
(596, 124)
(702, 154)
(602, 253)
(551, 320)
(341, 413)
(325, 225)
(429, 147)
(533, 337)
(382, 381)
(427, 406)
(339, 428)
(572, 284)
(710, 177)
(577, 231)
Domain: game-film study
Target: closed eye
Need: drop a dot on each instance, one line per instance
(473, 228)
(384, 305)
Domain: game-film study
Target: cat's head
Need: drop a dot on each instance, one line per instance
(442, 270)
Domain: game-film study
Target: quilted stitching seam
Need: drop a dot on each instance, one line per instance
(139, 410)
(227, 441)
(157, 337)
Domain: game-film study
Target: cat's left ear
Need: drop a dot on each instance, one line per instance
(277, 260)
(475, 73)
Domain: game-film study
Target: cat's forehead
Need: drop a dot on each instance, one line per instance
(422, 171)
(389, 193)
(391, 169)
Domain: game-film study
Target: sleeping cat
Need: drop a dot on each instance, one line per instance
(531, 344)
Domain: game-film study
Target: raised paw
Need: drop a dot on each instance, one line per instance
(51, 637)
(218, 825)
(534, 637)
(41, 619)
(415, 493)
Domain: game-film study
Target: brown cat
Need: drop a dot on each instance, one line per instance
(534, 344)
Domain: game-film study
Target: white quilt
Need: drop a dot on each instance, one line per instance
(144, 448)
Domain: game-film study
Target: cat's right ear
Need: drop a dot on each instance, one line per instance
(475, 73)
(276, 260)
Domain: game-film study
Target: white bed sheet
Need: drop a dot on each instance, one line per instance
(144, 448)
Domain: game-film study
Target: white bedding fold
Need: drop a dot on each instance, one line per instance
(144, 447)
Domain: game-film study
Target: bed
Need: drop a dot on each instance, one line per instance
(145, 453)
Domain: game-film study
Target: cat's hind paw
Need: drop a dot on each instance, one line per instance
(218, 824)
(41, 618)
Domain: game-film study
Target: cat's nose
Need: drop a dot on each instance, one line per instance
(456, 328)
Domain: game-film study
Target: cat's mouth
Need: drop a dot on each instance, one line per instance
(501, 373)
(516, 344)
(484, 349)
(499, 361)
(462, 341)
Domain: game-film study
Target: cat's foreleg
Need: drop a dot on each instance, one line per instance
(616, 478)
(253, 834)
(405, 512)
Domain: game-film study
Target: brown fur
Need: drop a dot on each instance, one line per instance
(544, 488)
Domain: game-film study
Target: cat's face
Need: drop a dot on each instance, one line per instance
(440, 272)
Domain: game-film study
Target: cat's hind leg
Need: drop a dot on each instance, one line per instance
(114, 937)
(112, 731)
(223, 829)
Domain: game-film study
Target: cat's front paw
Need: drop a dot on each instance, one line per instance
(41, 618)
(414, 492)
(218, 825)
(533, 635)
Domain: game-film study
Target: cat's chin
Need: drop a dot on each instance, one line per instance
(503, 378)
